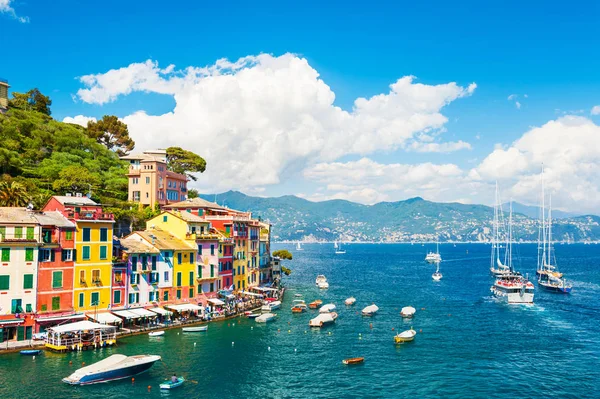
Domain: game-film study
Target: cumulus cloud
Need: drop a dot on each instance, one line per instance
(595, 110)
(440, 147)
(262, 117)
(5, 8)
(79, 120)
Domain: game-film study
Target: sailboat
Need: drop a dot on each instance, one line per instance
(338, 249)
(512, 286)
(335, 245)
(434, 257)
(437, 276)
(497, 268)
(298, 246)
(549, 277)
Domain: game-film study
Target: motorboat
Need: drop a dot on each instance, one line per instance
(433, 257)
(271, 306)
(324, 285)
(156, 333)
(315, 304)
(265, 317)
(195, 329)
(298, 295)
(330, 307)
(115, 367)
(353, 360)
(172, 384)
(405, 336)
(407, 312)
(323, 319)
(370, 310)
(30, 352)
(437, 276)
(320, 279)
(514, 289)
(350, 301)
(252, 315)
(299, 306)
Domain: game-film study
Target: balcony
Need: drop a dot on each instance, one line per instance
(24, 238)
(133, 170)
(207, 278)
(201, 236)
(91, 216)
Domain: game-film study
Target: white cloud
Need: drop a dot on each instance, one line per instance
(440, 147)
(5, 8)
(595, 110)
(518, 105)
(512, 97)
(79, 120)
(262, 117)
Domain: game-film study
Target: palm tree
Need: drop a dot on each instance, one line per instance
(13, 194)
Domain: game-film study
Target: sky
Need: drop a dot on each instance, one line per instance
(364, 101)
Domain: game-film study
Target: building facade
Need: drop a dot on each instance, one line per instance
(3, 94)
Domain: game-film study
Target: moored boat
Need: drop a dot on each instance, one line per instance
(315, 304)
(350, 301)
(320, 279)
(265, 317)
(252, 315)
(353, 360)
(324, 285)
(407, 312)
(298, 306)
(172, 384)
(323, 319)
(195, 329)
(112, 368)
(405, 336)
(30, 352)
(330, 307)
(370, 310)
(156, 333)
(271, 306)
(437, 276)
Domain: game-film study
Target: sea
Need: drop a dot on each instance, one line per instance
(468, 344)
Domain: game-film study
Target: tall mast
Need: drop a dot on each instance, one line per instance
(543, 219)
(509, 244)
(550, 231)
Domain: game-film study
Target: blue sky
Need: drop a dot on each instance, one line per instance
(545, 50)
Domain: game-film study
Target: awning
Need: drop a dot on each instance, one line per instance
(80, 326)
(184, 307)
(143, 312)
(126, 314)
(11, 321)
(251, 293)
(105, 318)
(216, 301)
(161, 311)
(75, 316)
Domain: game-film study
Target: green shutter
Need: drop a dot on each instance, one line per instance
(18, 232)
(179, 279)
(191, 279)
(103, 250)
(27, 281)
(95, 299)
(57, 279)
(86, 234)
(28, 308)
(4, 283)
(117, 297)
(5, 254)
(2, 234)
(104, 234)
(28, 254)
(212, 270)
(86, 253)
(30, 232)
(55, 303)
(199, 271)
(20, 333)
(178, 294)
(81, 299)
(166, 296)
(191, 293)
(69, 235)
(191, 258)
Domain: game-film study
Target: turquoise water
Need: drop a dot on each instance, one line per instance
(470, 345)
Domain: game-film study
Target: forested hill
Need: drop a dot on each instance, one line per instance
(414, 219)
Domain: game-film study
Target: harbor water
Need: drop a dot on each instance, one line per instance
(468, 345)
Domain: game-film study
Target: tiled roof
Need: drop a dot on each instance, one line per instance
(164, 240)
(189, 217)
(134, 245)
(65, 199)
(53, 218)
(16, 215)
(196, 203)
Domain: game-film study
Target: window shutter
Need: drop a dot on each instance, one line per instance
(74, 254)
(52, 255)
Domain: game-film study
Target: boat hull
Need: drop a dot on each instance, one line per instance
(171, 385)
(354, 360)
(195, 329)
(30, 352)
(112, 375)
(514, 297)
(553, 288)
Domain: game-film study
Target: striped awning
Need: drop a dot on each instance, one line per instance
(126, 314)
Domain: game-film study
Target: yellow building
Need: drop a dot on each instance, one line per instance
(93, 250)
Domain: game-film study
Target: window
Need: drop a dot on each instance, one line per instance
(45, 255)
(68, 235)
(2, 231)
(117, 297)
(199, 271)
(18, 232)
(95, 276)
(15, 306)
(165, 218)
(191, 279)
(179, 279)
(153, 278)
(4, 283)
(179, 258)
(199, 249)
(67, 255)
(165, 295)
(30, 233)
(199, 289)
(86, 252)
(82, 277)
(103, 250)
(212, 270)
(191, 293)
(191, 258)
(57, 279)
(243, 269)
(153, 262)
(103, 234)
(118, 277)
(134, 297)
(166, 277)
(5, 254)
(178, 294)
(28, 254)
(95, 299)
(134, 262)
(144, 262)
(134, 180)
(55, 303)
(134, 279)
(81, 299)
(147, 180)
(86, 234)
(212, 249)
(212, 287)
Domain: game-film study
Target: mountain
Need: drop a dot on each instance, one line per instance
(414, 219)
(534, 211)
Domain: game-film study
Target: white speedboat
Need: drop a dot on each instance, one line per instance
(513, 288)
(271, 306)
(265, 317)
(350, 301)
(156, 333)
(195, 329)
(324, 285)
(115, 367)
(320, 279)
(330, 307)
(405, 336)
(407, 311)
(370, 310)
(323, 319)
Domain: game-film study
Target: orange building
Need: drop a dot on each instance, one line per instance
(150, 182)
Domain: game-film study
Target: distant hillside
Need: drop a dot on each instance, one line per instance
(534, 211)
(414, 219)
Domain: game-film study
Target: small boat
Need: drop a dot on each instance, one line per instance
(170, 384)
(324, 285)
(408, 312)
(298, 295)
(370, 310)
(405, 336)
(271, 306)
(265, 317)
(437, 276)
(252, 315)
(353, 360)
(156, 333)
(320, 279)
(195, 329)
(30, 352)
(298, 306)
(350, 301)
(115, 367)
(298, 246)
(330, 307)
(434, 257)
(315, 304)
(323, 319)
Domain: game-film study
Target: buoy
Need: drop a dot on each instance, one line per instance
(177, 333)
(371, 325)
(132, 380)
(289, 331)
(82, 363)
(329, 332)
(392, 328)
(233, 324)
(269, 348)
(252, 328)
(70, 363)
(421, 330)
(278, 330)
(422, 308)
(305, 332)
(149, 387)
(449, 314)
(295, 350)
(33, 357)
(232, 343)
(194, 344)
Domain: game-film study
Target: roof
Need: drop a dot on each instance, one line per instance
(16, 215)
(143, 158)
(196, 203)
(79, 326)
(188, 216)
(162, 240)
(66, 199)
(53, 218)
(135, 245)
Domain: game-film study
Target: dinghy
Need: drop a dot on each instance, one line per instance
(195, 329)
(170, 384)
(353, 360)
(405, 336)
(156, 333)
(30, 352)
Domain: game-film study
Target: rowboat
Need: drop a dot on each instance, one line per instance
(330, 307)
(350, 301)
(353, 360)
(30, 352)
(315, 304)
(195, 329)
(407, 312)
(170, 384)
(370, 310)
(156, 333)
(405, 336)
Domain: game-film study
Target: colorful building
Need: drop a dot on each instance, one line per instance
(225, 261)
(150, 182)
(142, 273)
(93, 250)
(264, 254)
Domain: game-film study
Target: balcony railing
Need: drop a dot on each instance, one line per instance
(134, 170)
(91, 215)
(20, 237)
(202, 236)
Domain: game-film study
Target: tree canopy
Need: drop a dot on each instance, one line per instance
(33, 100)
(13, 194)
(111, 133)
(192, 193)
(185, 162)
(283, 254)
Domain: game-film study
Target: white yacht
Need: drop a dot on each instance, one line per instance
(320, 279)
(434, 257)
(437, 276)
(298, 246)
(497, 268)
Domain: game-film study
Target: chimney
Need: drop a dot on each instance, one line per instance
(78, 195)
(68, 194)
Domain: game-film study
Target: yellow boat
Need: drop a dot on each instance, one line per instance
(405, 336)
